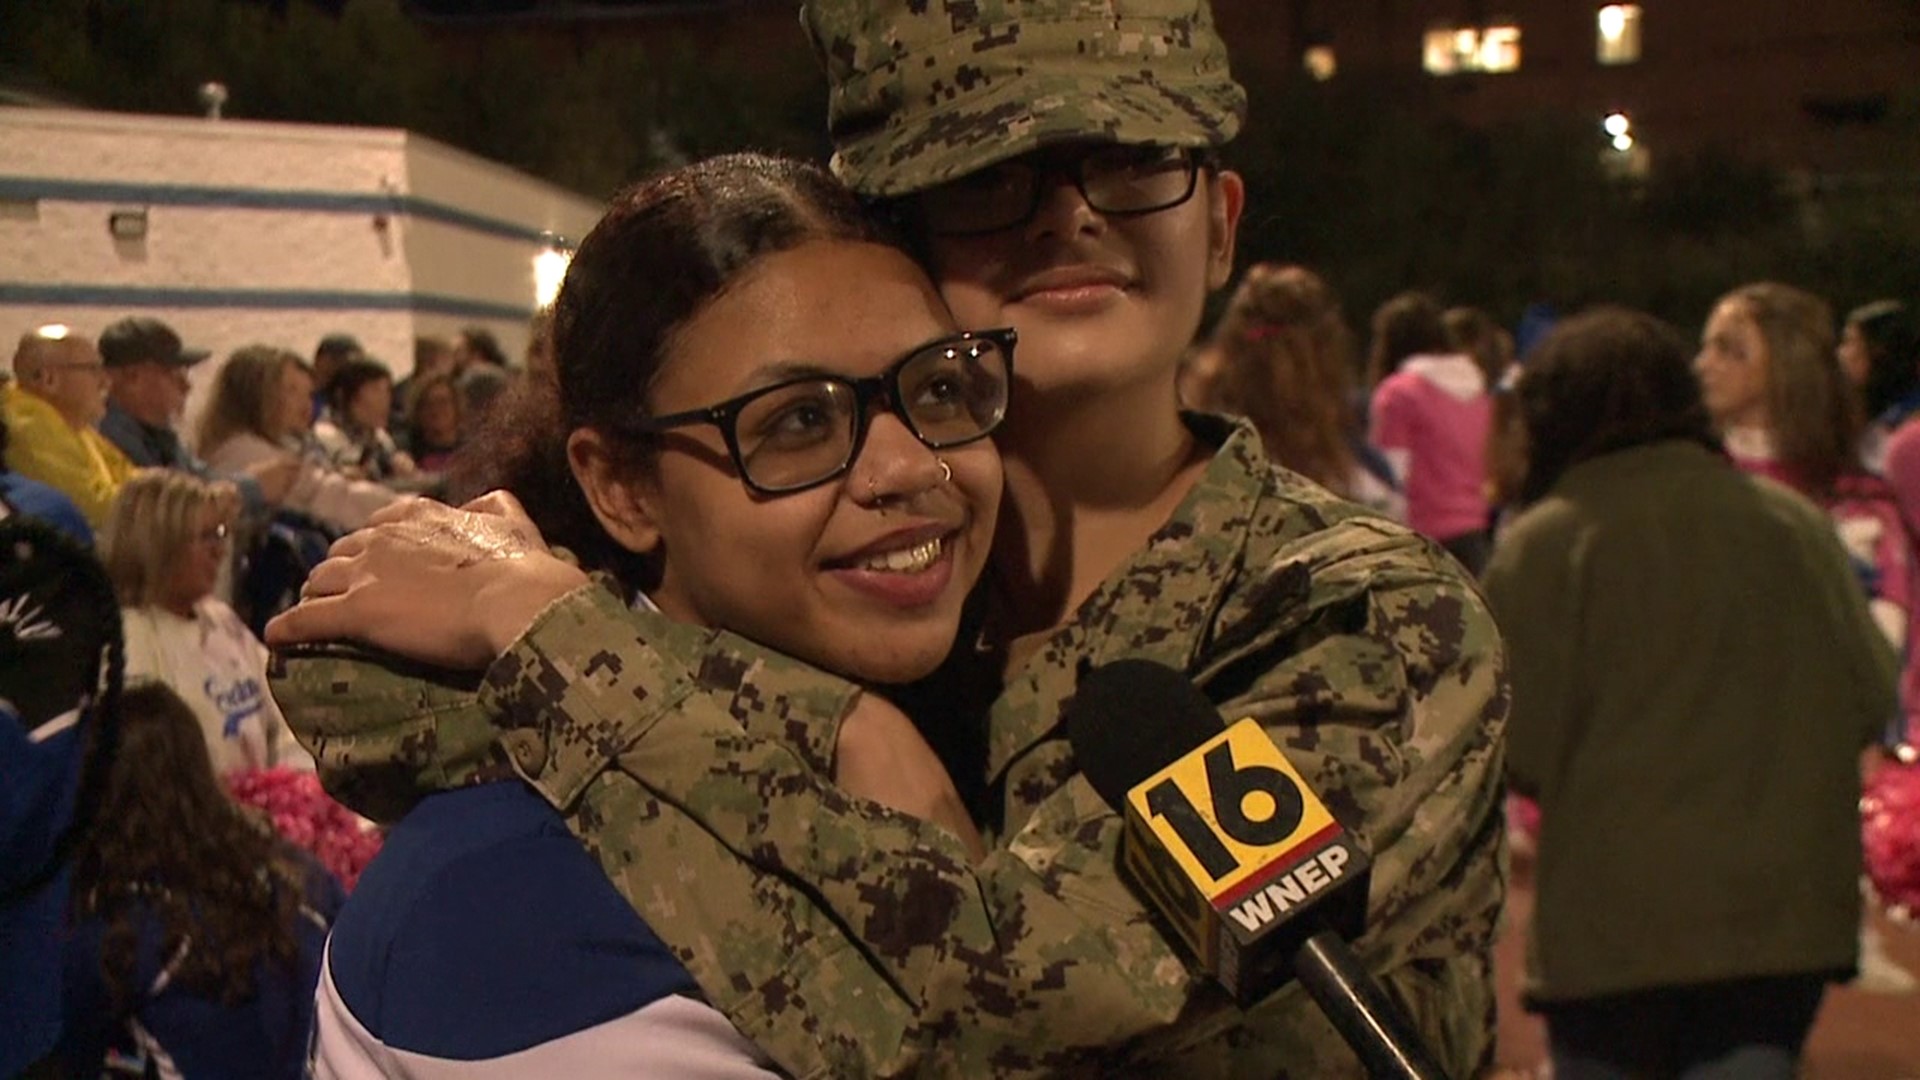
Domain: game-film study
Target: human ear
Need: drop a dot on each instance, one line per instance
(1223, 226)
(622, 502)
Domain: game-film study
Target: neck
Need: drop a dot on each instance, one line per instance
(1087, 484)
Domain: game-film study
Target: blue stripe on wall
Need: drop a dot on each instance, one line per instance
(21, 188)
(134, 296)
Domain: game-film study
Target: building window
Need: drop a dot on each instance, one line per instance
(1618, 41)
(1320, 62)
(1451, 50)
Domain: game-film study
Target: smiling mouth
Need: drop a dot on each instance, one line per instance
(905, 560)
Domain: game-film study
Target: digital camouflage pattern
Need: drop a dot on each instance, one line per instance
(848, 940)
(924, 91)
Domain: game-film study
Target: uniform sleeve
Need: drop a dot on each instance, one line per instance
(1040, 959)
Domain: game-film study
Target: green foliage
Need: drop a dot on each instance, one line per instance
(1372, 186)
(1364, 180)
(590, 114)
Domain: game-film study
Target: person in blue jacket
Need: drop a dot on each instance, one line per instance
(195, 934)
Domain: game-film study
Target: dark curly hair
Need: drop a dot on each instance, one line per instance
(171, 843)
(666, 248)
(1606, 380)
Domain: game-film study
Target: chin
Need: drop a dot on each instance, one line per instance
(902, 662)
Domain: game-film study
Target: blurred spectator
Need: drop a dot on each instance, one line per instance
(1783, 409)
(258, 408)
(354, 435)
(540, 345)
(197, 934)
(1694, 677)
(334, 349)
(436, 426)
(59, 676)
(146, 391)
(1430, 415)
(1475, 333)
(57, 394)
(1880, 355)
(476, 345)
(431, 356)
(1286, 364)
(480, 387)
(163, 550)
(36, 500)
(1880, 351)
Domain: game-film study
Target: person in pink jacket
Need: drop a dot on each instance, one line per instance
(1429, 416)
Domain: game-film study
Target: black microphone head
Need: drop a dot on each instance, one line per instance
(1131, 718)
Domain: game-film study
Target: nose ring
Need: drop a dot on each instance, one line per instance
(946, 471)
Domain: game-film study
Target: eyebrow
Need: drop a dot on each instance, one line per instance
(782, 370)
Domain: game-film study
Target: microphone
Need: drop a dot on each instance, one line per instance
(1227, 844)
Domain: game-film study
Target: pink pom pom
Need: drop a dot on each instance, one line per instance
(305, 816)
(1890, 838)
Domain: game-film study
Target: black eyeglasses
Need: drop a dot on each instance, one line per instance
(1119, 181)
(806, 431)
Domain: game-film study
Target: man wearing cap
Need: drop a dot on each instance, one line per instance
(147, 387)
(58, 394)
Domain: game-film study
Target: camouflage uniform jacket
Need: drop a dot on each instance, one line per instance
(848, 940)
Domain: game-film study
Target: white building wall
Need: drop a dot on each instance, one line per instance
(266, 232)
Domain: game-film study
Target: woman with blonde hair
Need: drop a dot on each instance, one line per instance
(261, 404)
(1287, 365)
(165, 543)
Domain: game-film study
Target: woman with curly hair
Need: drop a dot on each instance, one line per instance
(196, 934)
(1287, 365)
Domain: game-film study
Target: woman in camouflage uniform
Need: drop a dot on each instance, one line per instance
(1055, 159)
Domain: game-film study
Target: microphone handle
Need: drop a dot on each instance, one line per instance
(1366, 1018)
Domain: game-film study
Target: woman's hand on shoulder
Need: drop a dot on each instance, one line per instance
(882, 757)
(447, 586)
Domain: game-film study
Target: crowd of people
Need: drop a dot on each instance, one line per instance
(735, 735)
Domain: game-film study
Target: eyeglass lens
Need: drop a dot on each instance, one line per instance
(1113, 180)
(805, 432)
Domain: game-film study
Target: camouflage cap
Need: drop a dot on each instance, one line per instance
(923, 91)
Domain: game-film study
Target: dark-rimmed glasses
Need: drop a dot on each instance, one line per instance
(805, 431)
(1118, 181)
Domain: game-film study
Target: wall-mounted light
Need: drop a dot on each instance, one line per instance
(550, 269)
(128, 223)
